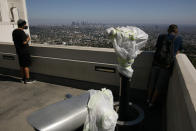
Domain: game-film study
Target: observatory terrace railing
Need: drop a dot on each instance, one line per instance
(181, 97)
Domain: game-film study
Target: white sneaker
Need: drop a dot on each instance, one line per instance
(29, 81)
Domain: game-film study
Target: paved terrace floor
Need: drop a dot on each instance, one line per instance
(18, 100)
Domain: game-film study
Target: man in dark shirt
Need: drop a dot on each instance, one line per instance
(22, 49)
(160, 72)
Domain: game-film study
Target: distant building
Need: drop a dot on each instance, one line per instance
(10, 12)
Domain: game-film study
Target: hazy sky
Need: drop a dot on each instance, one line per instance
(112, 11)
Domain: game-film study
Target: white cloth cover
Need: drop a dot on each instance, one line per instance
(101, 115)
(127, 42)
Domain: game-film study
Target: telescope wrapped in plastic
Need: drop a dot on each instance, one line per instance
(127, 42)
(93, 110)
(66, 115)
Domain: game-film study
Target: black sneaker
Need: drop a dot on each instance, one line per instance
(29, 81)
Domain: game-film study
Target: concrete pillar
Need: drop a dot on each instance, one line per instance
(4, 11)
(19, 10)
(23, 2)
(25, 10)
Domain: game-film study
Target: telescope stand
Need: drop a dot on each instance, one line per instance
(129, 114)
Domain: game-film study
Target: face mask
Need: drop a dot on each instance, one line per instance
(25, 27)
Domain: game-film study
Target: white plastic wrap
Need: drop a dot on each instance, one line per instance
(101, 115)
(127, 42)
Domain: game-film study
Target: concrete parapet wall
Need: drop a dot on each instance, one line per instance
(181, 99)
(142, 69)
(78, 63)
(70, 63)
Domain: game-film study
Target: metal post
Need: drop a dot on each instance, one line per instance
(124, 98)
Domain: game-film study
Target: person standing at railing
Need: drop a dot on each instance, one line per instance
(21, 41)
(168, 45)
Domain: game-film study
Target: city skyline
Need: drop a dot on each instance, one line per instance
(112, 11)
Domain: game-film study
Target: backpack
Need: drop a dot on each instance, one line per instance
(164, 55)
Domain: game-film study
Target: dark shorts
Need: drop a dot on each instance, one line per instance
(159, 78)
(24, 60)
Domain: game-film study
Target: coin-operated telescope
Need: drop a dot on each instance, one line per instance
(127, 42)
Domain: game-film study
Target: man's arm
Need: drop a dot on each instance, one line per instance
(27, 40)
(24, 38)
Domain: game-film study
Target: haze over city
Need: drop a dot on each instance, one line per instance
(58, 12)
(83, 22)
